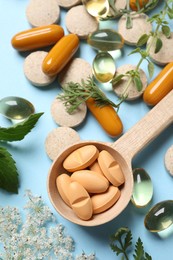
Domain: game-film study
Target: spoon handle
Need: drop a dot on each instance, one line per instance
(150, 126)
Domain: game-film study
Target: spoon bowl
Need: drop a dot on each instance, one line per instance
(123, 150)
(97, 219)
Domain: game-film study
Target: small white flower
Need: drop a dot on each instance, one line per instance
(35, 239)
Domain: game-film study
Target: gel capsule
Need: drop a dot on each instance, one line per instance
(143, 188)
(37, 37)
(99, 8)
(160, 216)
(16, 108)
(106, 40)
(103, 67)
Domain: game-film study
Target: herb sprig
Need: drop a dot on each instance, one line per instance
(153, 39)
(121, 243)
(114, 12)
(75, 94)
(8, 170)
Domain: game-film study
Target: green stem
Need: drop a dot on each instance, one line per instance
(147, 49)
(124, 252)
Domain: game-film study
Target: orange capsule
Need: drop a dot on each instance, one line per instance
(133, 4)
(106, 117)
(160, 86)
(60, 54)
(37, 37)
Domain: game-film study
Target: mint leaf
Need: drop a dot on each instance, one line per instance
(8, 172)
(18, 131)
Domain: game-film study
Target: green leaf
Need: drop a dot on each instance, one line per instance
(129, 22)
(117, 79)
(151, 69)
(18, 131)
(140, 254)
(138, 83)
(121, 240)
(170, 14)
(137, 50)
(147, 257)
(158, 45)
(139, 250)
(166, 31)
(143, 40)
(8, 172)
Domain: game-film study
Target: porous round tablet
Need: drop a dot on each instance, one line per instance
(140, 26)
(120, 4)
(41, 12)
(80, 22)
(165, 55)
(63, 118)
(76, 70)
(58, 139)
(68, 3)
(169, 160)
(33, 69)
(132, 91)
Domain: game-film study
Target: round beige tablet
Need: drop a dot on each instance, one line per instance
(76, 70)
(119, 4)
(80, 22)
(140, 26)
(68, 3)
(33, 69)
(165, 55)
(41, 12)
(63, 118)
(59, 139)
(132, 91)
(169, 160)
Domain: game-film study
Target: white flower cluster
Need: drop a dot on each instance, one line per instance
(38, 237)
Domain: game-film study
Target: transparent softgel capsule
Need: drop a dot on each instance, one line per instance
(106, 40)
(97, 8)
(16, 108)
(103, 67)
(143, 188)
(160, 216)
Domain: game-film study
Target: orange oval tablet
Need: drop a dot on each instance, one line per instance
(93, 182)
(95, 167)
(60, 54)
(81, 158)
(62, 182)
(110, 168)
(104, 201)
(80, 201)
(37, 37)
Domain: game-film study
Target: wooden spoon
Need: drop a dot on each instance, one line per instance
(123, 150)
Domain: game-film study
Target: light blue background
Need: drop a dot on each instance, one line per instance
(33, 164)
